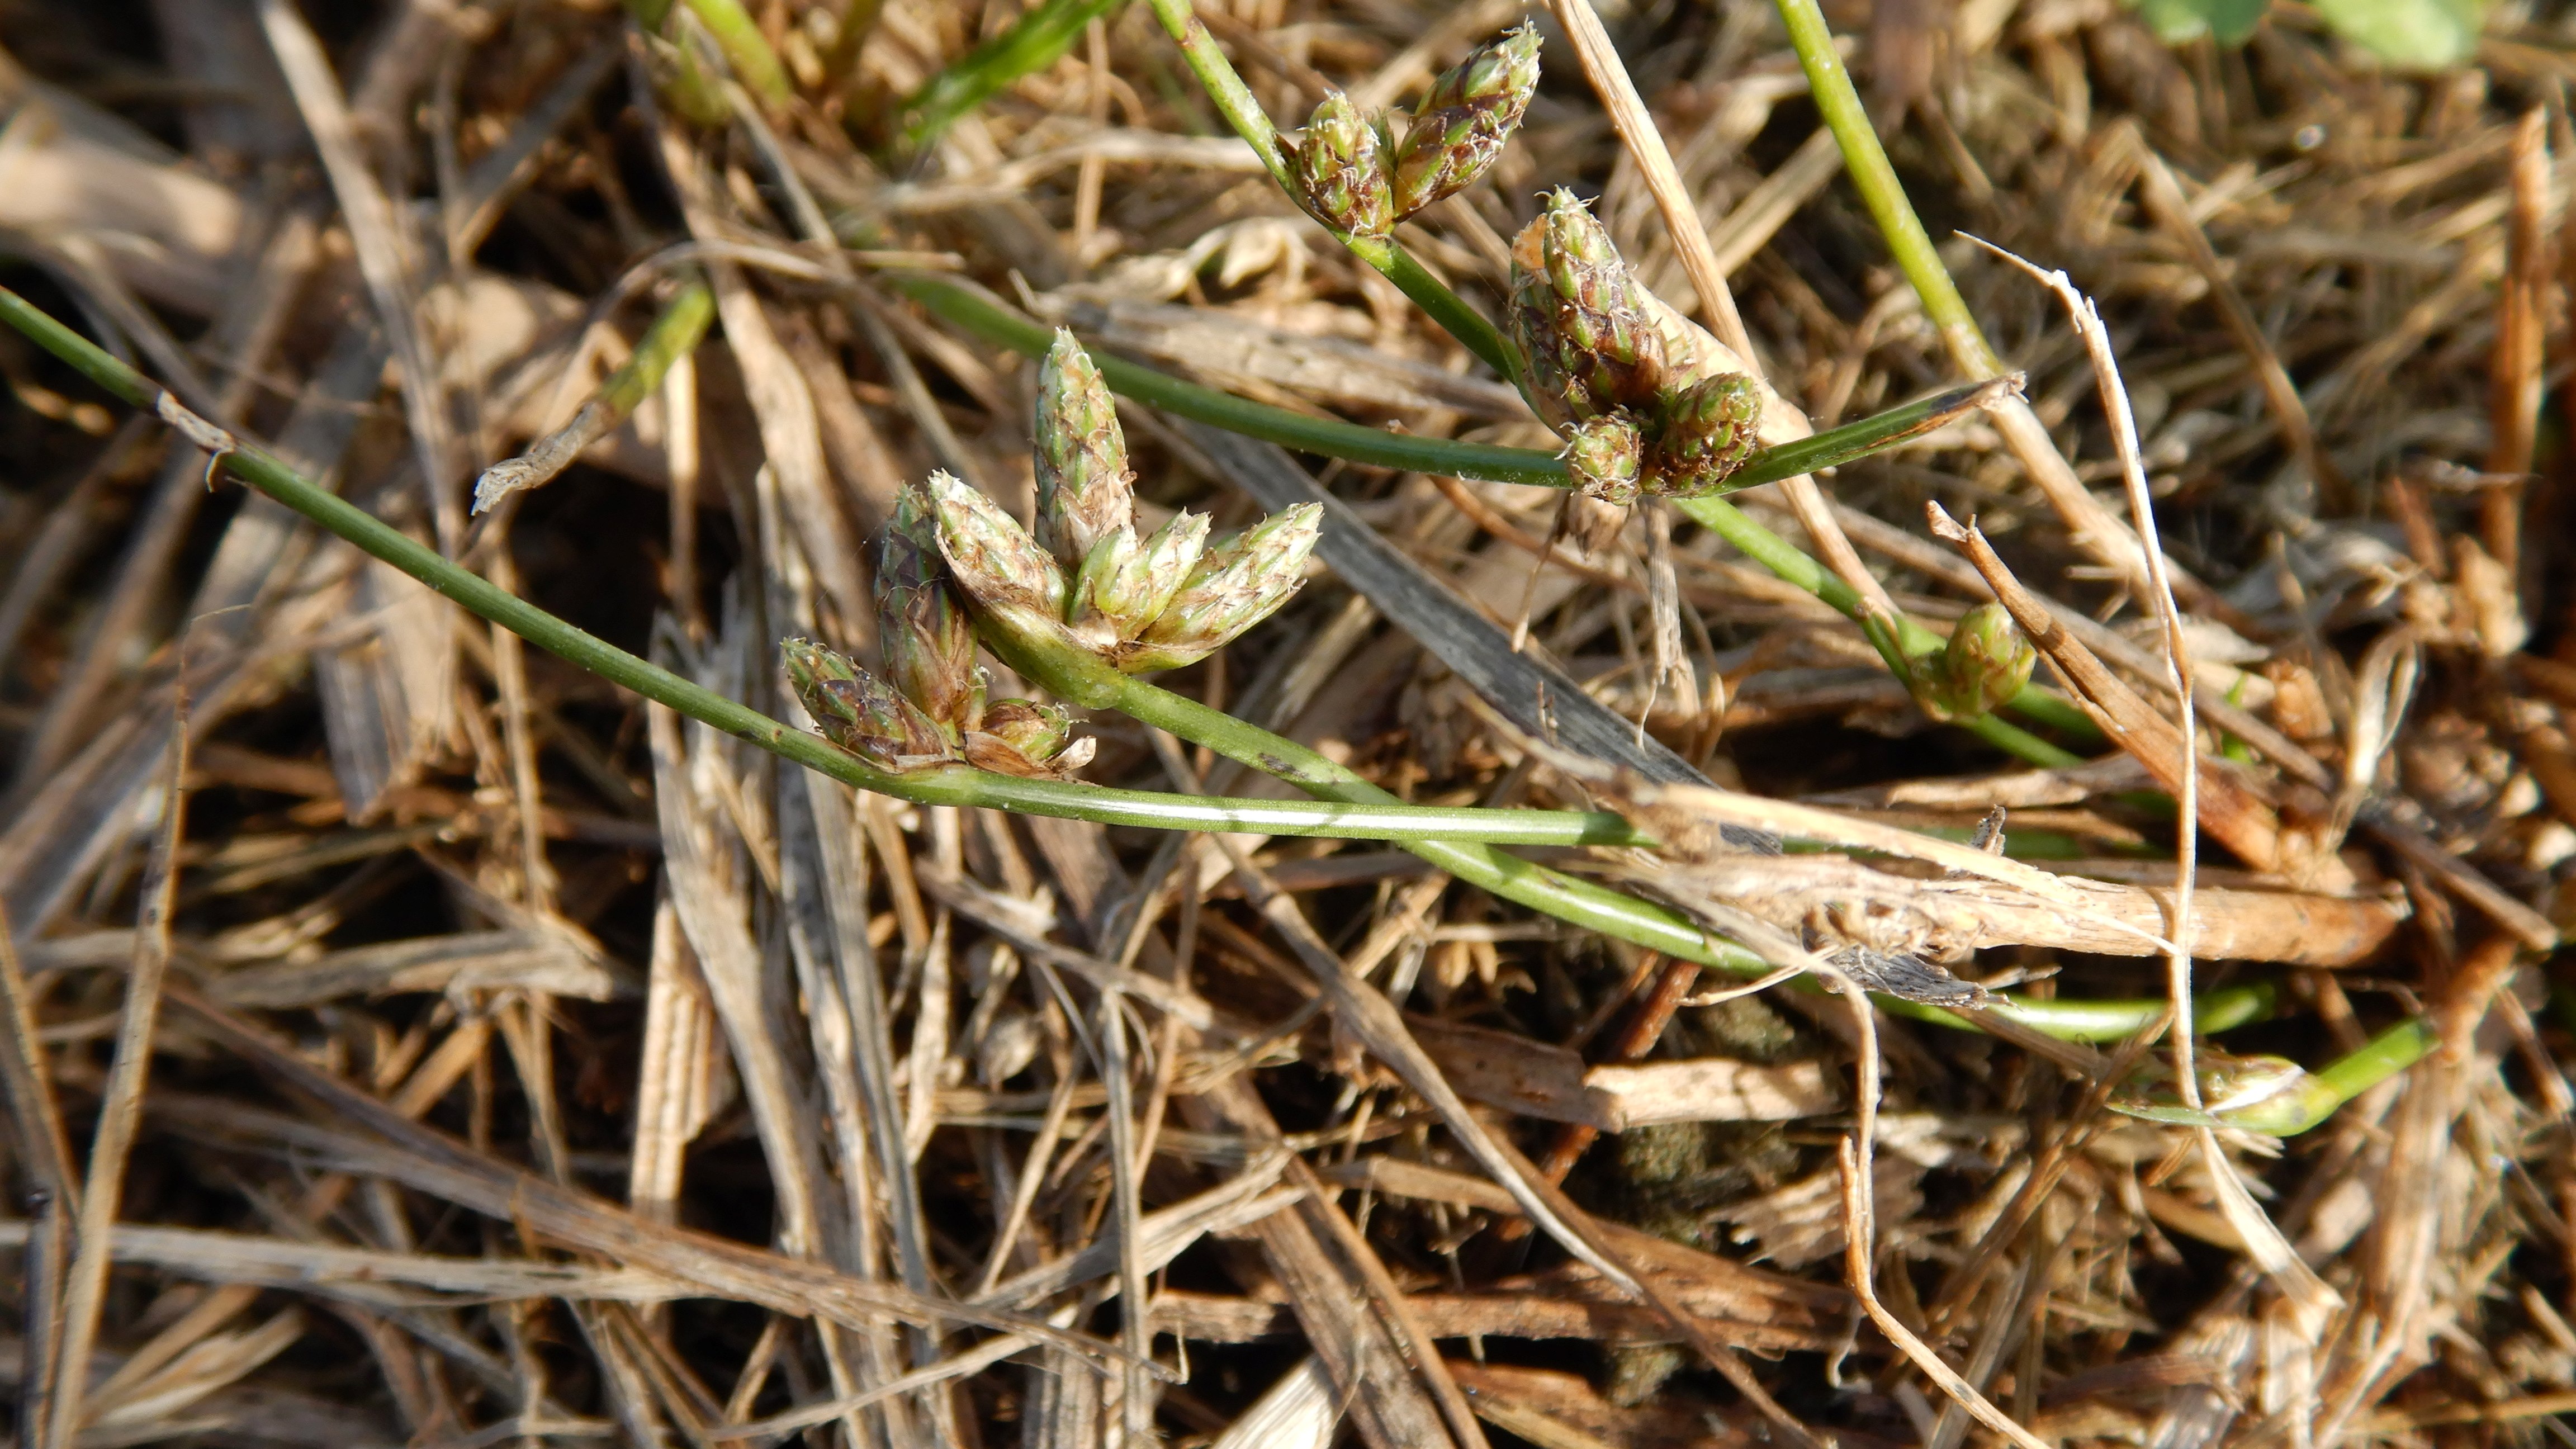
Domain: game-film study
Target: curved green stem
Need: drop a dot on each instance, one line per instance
(1080, 679)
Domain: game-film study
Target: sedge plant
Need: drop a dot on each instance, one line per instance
(1083, 613)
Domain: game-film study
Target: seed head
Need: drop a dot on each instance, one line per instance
(1460, 124)
(1024, 738)
(1011, 582)
(1339, 166)
(1604, 456)
(1236, 585)
(856, 711)
(1986, 662)
(929, 643)
(1706, 432)
(1085, 490)
(1580, 318)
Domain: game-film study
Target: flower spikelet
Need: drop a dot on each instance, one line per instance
(1339, 167)
(1085, 490)
(1236, 585)
(1580, 318)
(1460, 124)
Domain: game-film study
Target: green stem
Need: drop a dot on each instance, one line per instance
(1441, 305)
(1865, 161)
(2378, 1059)
(675, 333)
(2212, 1011)
(1035, 41)
(1783, 558)
(1234, 100)
(968, 308)
(754, 63)
(1080, 679)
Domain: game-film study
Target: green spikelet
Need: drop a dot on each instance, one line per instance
(1460, 124)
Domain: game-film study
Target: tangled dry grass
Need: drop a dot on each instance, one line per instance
(416, 1040)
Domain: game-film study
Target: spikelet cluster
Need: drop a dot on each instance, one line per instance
(1084, 579)
(1350, 172)
(1602, 373)
(929, 709)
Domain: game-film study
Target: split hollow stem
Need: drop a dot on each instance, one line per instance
(674, 334)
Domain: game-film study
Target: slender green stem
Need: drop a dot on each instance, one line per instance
(1080, 679)
(1442, 305)
(969, 308)
(1865, 161)
(675, 333)
(1083, 680)
(2378, 1059)
(748, 51)
(1234, 100)
(1854, 441)
(1781, 557)
(2075, 1020)
(1038, 39)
